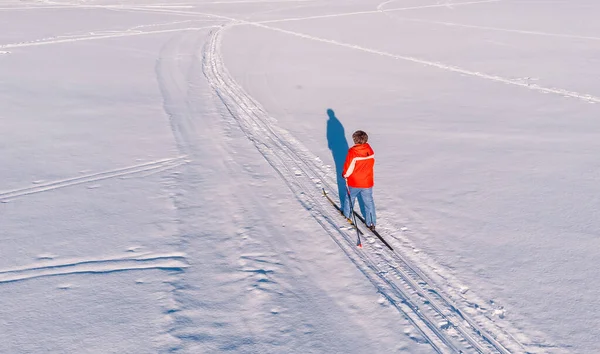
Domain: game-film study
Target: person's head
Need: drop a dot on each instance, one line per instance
(360, 137)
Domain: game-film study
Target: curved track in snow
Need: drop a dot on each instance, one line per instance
(432, 311)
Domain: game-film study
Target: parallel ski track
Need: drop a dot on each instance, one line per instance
(152, 167)
(169, 262)
(433, 314)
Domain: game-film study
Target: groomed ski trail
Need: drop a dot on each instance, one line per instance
(439, 320)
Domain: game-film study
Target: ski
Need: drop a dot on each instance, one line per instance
(360, 218)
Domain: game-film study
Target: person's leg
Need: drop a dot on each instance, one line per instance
(350, 201)
(367, 196)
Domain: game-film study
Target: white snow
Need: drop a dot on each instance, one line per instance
(162, 165)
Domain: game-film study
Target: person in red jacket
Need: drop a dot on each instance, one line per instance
(358, 172)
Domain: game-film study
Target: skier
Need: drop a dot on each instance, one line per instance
(358, 172)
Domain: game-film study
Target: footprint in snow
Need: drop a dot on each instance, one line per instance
(415, 337)
(500, 312)
(444, 324)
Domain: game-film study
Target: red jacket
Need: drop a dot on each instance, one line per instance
(358, 169)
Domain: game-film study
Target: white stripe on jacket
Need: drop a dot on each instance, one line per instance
(353, 163)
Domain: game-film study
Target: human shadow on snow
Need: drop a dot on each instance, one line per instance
(337, 143)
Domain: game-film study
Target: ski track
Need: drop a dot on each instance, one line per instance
(33, 8)
(168, 261)
(490, 77)
(446, 67)
(290, 19)
(399, 281)
(52, 5)
(187, 99)
(368, 12)
(96, 37)
(284, 166)
(382, 5)
(498, 29)
(155, 166)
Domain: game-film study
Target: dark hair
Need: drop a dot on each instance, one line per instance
(360, 137)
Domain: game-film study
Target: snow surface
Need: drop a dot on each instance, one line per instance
(162, 166)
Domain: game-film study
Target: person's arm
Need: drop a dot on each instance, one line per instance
(348, 162)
